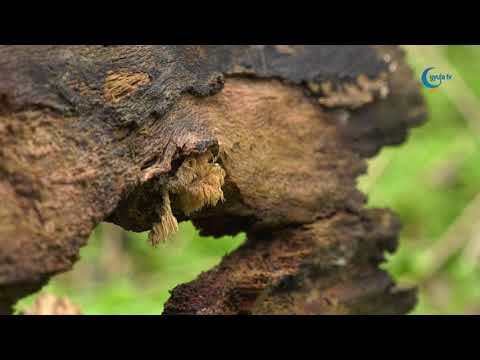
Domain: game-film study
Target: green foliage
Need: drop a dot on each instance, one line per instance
(429, 181)
(141, 284)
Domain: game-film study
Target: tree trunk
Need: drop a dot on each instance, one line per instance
(263, 139)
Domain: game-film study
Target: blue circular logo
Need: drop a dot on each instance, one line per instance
(425, 81)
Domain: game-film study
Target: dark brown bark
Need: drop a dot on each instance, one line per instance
(100, 133)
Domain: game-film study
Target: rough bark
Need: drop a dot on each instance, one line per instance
(100, 133)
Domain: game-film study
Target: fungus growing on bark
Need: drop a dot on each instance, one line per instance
(197, 183)
(167, 225)
(352, 96)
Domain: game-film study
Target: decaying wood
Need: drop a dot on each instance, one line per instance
(48, 304)
(263, 139)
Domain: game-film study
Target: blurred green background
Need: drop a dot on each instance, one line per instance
(432, 182)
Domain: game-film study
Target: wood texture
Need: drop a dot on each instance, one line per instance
(97, 133)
